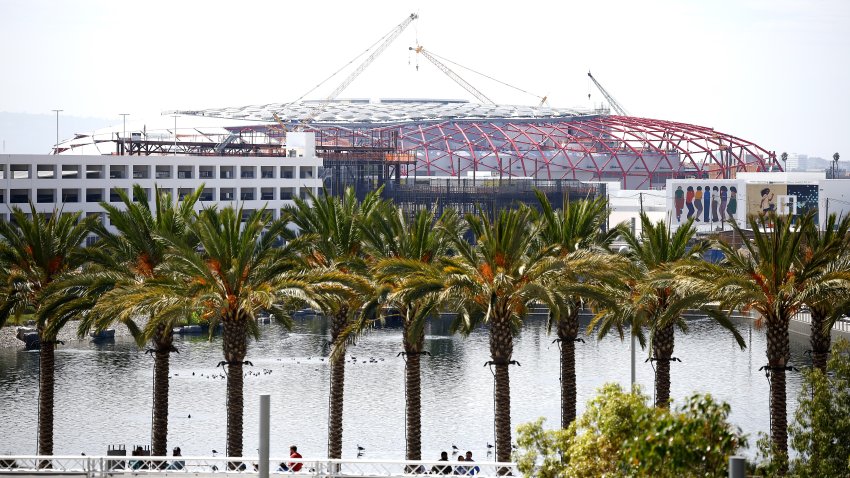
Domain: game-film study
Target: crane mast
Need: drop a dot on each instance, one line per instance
(451, 74)
(610, 99)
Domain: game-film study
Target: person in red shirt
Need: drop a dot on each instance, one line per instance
(292, 466)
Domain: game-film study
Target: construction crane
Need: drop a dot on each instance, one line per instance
(388, 39)
(279, 122)
(610, 99)
(457, 79)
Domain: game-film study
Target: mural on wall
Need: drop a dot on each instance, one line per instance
(706, 202)
(803, 198)
(787, 199)
(715, 202)
(763, 198)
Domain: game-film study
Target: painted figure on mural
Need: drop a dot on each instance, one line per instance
(689, 201)
(767, 204)
(732, 208)
(724, 197)
(698, 203)
(706, 204)
(679, 202)
(714, 203)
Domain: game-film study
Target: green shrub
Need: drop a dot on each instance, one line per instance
(821, 429)
(621, 436)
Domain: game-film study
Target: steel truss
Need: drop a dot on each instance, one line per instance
(640, 152)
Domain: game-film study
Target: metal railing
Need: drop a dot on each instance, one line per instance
(841, 325)
(103, 466)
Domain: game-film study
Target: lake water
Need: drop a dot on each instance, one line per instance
(103, 391)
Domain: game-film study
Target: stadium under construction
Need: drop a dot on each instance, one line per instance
(451, 152)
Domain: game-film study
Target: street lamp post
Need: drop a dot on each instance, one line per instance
(835, 158)
(124, 134)
(175, 134)
(56, 146)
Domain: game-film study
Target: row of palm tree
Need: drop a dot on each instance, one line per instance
(355, 260)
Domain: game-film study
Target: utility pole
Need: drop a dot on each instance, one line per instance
(641, 203)
(175, 135)
(825, 216)
(124, 136)
(56, 146)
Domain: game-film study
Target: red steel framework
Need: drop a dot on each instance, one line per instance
(640, 152)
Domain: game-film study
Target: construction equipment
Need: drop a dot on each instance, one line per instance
(280, 122)
(454, 76)
(388, 39)
(610, 99)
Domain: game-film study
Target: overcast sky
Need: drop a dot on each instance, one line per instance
(775, 72)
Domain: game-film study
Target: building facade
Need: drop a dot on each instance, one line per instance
(72, 183)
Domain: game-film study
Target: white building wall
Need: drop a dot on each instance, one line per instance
(79, 183)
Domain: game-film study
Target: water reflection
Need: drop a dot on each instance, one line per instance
(103, 390)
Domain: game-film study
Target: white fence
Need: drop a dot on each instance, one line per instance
(841, 327)
(104, 466)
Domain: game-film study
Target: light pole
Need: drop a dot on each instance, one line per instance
(124, 134)
(56, 146)
(175, 134)
(835, 158)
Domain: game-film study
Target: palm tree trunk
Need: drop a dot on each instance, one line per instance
(47, 370)
(662, 345)
(234, 343)
(501, 350)
(567, 333)
(159, 433)
(778, 352)
(337, 385)
(821, 340)
(413, 394)
(503, 413)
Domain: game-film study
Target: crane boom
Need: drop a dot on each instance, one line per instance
(610, 99)
(354, 74)
(457, 79)
(368, 61)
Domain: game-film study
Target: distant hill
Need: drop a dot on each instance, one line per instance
(24, 133)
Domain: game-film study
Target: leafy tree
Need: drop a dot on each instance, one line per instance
(821, 431)
(577, 226)
(331, 239)
(399, 249)
(619, 435)
(36, 251)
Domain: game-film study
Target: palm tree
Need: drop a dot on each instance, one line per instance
(768, 274)
(833, 242)
(37, 250)
(494, 282)
(577, 226)
(646, 294)
(129, 258)
(332, 240)
(235, 271)
(397, 245)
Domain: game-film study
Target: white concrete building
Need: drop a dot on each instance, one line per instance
(80, 182)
